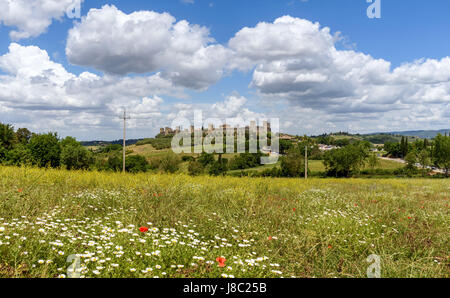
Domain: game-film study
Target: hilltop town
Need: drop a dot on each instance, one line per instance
(266, 127)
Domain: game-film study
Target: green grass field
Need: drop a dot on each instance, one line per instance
(314, 165)
(260, 227)
(318, 166)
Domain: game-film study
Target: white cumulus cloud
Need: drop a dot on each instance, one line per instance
(144, 42)
(31, 18)
(297, 60)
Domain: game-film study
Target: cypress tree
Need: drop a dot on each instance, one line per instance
(406, 146)
(402, 147)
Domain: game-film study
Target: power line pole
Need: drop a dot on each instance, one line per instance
(306, 162)
(125, 117)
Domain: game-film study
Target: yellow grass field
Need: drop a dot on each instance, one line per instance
(56, 223)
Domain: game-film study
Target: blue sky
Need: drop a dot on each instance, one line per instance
(407, 31)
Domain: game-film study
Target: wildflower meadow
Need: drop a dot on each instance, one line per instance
(57, 223)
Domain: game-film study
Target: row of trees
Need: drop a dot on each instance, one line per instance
(424, 152)
(47, 150)
(207, 163)
(329, 140)
(22, 147)
(339, 162)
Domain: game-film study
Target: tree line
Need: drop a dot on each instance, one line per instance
(435, 152)
(22, 147)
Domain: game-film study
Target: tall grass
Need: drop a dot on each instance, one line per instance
(263, 227)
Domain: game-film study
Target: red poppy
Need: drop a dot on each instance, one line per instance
(270, 238)
(221, 261)
(143, 229)
(295, 209)
(330, 247)
(409, 217)
(19, 190)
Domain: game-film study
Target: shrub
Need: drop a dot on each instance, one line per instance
(195, 168)
(114, 163)
(136, 164)
(245, 161)
(110, 148)
(186, 158)
(157, 143)
(218, 167)
(206, 159)
(170, 163)
(154, 163)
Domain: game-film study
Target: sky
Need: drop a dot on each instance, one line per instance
(318, 66)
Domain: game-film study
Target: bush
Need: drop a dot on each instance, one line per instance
(245, 161)
(154, 163)
(114, 164)
(110, 148)
(186, 158)
(195, 168)
(218, 167)
(170, 163)
(206, 159)
(274, 172)
(158, 143)
(136, 164)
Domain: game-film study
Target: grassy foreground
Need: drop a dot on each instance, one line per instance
(219, 227)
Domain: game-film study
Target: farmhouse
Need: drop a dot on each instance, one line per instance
(323, 147)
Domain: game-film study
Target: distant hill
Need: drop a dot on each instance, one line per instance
(381, 138)
(375, 138)
(423, 134)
